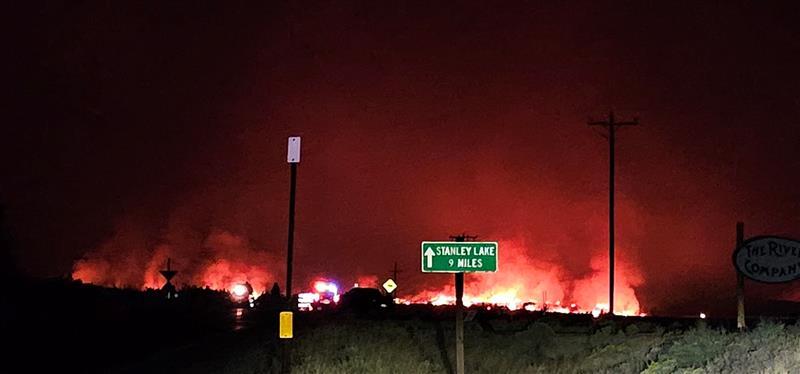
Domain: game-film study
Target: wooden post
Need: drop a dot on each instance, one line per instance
(459, 323)
(290, 240)
(740, 321)
(459, 278)
(293, 158)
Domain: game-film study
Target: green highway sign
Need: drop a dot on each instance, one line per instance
(459, 257)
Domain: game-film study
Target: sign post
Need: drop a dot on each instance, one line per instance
(459, 323)
(458, 257)
(293, 158)
(740, 321)
(285, 318)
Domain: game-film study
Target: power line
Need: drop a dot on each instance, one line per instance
(463, 238)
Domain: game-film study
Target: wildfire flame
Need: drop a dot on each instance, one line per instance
(239, 290)
(227, 261)
(523, 282)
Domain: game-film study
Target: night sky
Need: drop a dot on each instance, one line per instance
(136, 126)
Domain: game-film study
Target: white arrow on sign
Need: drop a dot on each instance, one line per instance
(429, 257)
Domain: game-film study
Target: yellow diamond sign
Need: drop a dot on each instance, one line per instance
(389, 285)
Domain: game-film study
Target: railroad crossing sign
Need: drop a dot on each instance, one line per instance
(389, 285)
(459, 257)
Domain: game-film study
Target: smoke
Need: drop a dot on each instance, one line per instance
(118, 262)
(233, 261)
(370, 281)
(593, 290)
(524, 278)
(225, 258)
(405, 140)
(520, 277)
(157, 262)
(95, 271)
(222, 260)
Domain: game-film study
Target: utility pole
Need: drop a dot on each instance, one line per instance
(290, 241)
(395, 271)
(460, 309)
(293, 158)
(611, 126)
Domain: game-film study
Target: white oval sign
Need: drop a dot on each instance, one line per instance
(768, 259)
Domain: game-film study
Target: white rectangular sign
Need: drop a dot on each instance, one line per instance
(294, 150)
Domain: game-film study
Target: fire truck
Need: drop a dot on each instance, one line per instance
(242, 294)
(325, 295)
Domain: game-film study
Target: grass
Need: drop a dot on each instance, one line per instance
(416, 346)
(392, 348)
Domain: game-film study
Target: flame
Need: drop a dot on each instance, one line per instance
(522, 282)
(239, 290)
(369, 281)
(92, 271)
(593, 290)
(228, 260)
(526, 283)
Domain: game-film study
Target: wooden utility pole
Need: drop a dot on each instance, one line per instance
(740, 322)
(460, 309)
(290, 241)
(611, 126)
(293, 158)
(395, 271)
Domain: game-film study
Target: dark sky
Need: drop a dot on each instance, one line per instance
(145, 124)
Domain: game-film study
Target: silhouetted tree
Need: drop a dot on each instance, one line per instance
(273, 299)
